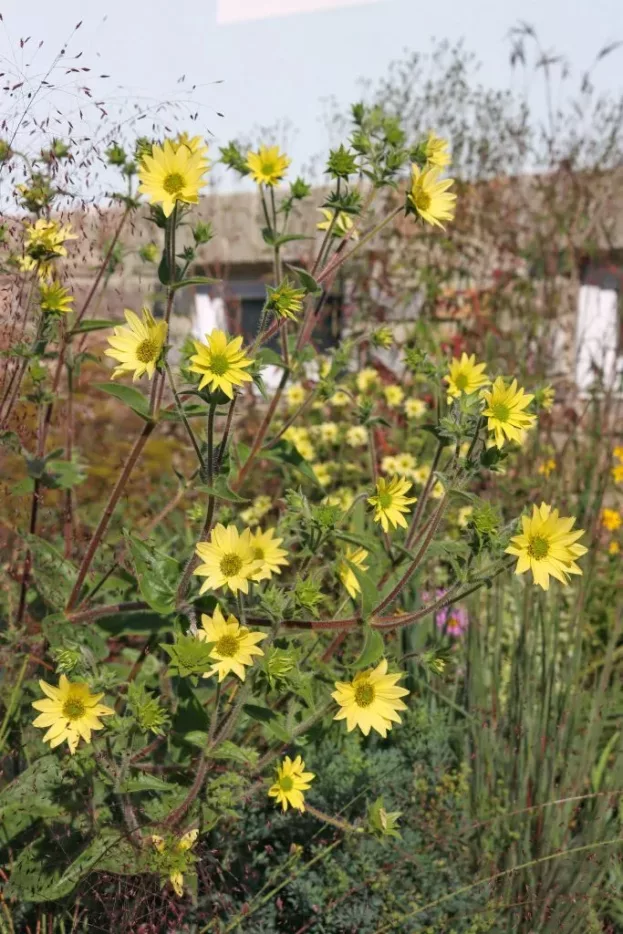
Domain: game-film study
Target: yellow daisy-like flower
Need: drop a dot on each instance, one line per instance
(367, 379)
(54, 298)
(436, 151)
(618, 453)
(547, 546)
(547, 467)
(194, 144)
(343, 223)
(221, 362)
(285, 301)
(172, 855)
(340, 398)
(137, 348)
(356, 436)
(429, 196)
(292, 781)
(266, 549)
(390, 502)
(228, 560)
(393, 395)
(355, 556)
(545, 398)
(267, 166)
(464, 515)
(234, 645)
(323, 472)
(617, 473)
(414, 408)
(70, 712)
(45, 239)
(370, 700)
(295, 395)
(614, 548)
(505, 411)
(611, 519)
(465, 376)
(170, 174)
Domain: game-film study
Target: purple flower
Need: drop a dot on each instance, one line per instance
(453, 620)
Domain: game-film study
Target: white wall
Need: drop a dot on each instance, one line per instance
(597, 336)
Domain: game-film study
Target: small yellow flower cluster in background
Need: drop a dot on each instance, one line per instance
(292, 781)
(367, 379)
(402, 464)
(617, 470)
(299, 437)
(173, 854)
(547, 467)
(295, 395)
(415, 408)
(393, 395)
(356, 436)
(260, 506)
(611, 519)
(326, 432)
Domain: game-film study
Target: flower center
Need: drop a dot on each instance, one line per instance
(147, 350)
(219, 364)
(500, 411)
(73, 709)
(269, 168)
(364, 694)
(385, 500)
(421, 199)
(538, 548)
(461, 382)
(173, 183)
(258, 553)
(231, 565)
(286, 783)
(227, 646)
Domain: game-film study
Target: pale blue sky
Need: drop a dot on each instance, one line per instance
(281, 67)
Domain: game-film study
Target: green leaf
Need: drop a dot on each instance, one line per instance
(95, 324)
(157, 574)
(269, 357)
(261, 714)
(190, 411)
(286, 452)
(597, 772)
(164, 270)
(145, 782)
(235, 753)
(372, 650)
(220, 490)
(128, 395)
(193, 280)
(64, 475)
(368, 587)
(54, 575)
(32, 795)
(306, 279)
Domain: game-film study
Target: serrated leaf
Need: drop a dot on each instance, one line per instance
(269, 357)
(146, 782)
(220, 490)
(261, 714)
(95, 324)
(157, 574)
(128, 395)
(372, 650)
(54, 575)
(306, 279)
(231, 751)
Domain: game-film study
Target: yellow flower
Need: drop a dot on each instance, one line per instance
(370, 700)
(137, 348)
(234, 645)
(405, 464)
(343, 223)
(505, 411)
(390, 502)
(618, 453)
(172, 854)
(221, 362)
(420, 474)
(194, 144)
(266, 550)
(295, 395)
(545, 398)
(547, 546)
(356, 436)
(617, 473)
(611, 519)
(299, 437)
(430, 197)
(465, 376)
(257, 510)
(414, 408)
(355, 556)
(292, 781)
(45, 239)
(171, 174)
(285, 301)
(342, 497)
(464, 516)
(393, 395)
(267, 165)
(228, 560)
(389, 464)
(614, 548)
(70, 712)
(327, 432)
(436, 151)
(547, 467)
(339, 398)
(53, 297)
(323, 473)
(367, 379)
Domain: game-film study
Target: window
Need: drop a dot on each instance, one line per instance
(599, 337)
